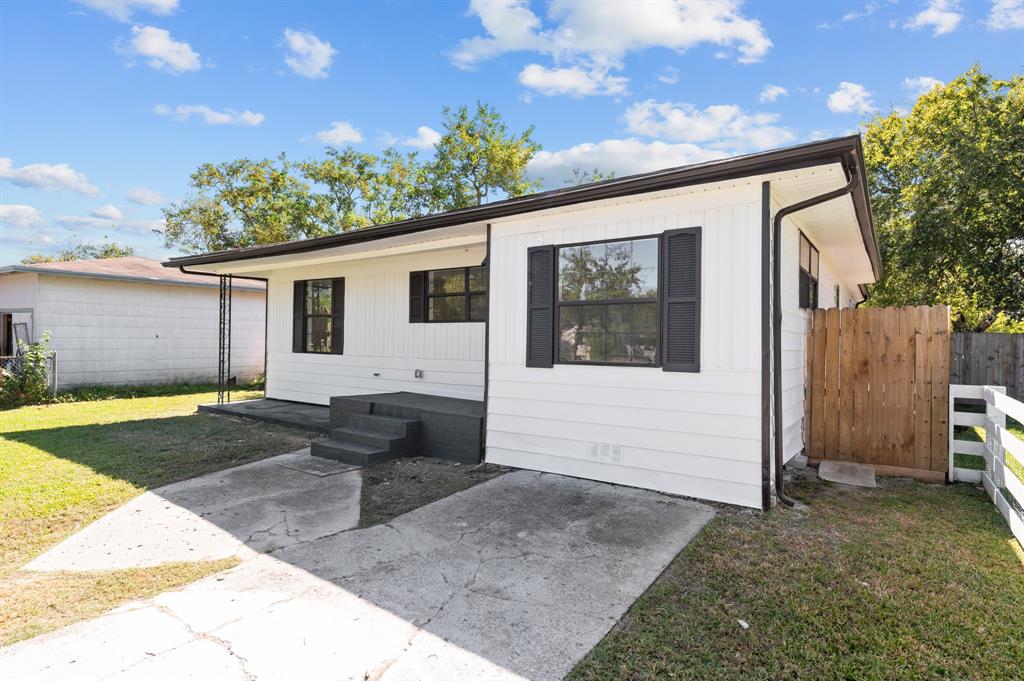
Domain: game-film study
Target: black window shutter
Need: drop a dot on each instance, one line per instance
(540, 303)
(680, 312)
(298, 308)
(417, 296)
(338, 316)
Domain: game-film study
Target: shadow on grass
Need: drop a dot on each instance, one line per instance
(152, 452)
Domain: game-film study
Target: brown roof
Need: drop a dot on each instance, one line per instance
(130, 268)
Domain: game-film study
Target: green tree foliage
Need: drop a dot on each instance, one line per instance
(246, 203)
(25, 380)
(478, 158)
(580, 176)
(947, 186)
(83, 252)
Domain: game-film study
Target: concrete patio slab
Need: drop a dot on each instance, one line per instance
(518, 577)
(847, 473)
(256, 507)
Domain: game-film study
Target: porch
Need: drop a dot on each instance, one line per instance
(368, 429)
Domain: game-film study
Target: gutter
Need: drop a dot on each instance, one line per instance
(851, 185)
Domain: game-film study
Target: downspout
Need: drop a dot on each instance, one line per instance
(777, 314)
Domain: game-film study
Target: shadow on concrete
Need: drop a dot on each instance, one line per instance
(517, 577)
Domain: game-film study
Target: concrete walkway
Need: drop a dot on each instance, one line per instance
(516, 578)
(260, 506)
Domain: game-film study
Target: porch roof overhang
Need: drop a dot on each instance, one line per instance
(468, 225)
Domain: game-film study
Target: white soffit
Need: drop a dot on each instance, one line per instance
(832, 226)
(474, 234)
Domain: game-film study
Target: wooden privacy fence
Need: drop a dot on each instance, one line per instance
(988, 359)
(878, 389)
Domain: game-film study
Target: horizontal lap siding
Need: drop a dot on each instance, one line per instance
(696, 434)
(379, 339)
(115, 332)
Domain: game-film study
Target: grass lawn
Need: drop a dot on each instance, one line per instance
(977, 434)
(396, 487)
(64, 465)
(905, 581)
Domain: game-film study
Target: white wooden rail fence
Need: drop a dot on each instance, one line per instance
(1001, 483)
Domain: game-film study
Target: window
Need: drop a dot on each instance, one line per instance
(458, 294)
(607, 306)
(319, 306)
(808, 273)
(837, 295)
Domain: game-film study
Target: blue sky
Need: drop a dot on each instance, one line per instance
(108, 106)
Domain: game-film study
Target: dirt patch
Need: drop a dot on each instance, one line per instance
(396, 487)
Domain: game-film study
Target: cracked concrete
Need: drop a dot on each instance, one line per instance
(259, 507)
(515, 578)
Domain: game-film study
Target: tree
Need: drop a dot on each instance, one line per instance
(84, 251)
(587, 176)
(243, 203)
(947, 187)
(364, 189)
(477, 158)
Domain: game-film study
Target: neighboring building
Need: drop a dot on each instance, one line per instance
(620, 331)
(129, 321)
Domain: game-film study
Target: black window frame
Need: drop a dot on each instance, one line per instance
(807, 286)
(336, 317)
(467, 294)
(558, 304)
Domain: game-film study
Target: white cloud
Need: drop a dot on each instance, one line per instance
(573, 81)
(122, 10)
(722, 126)
(47, 177)
(340, 132)
(144, 196)
(772, 92)
(621, 156)
(920, 85)
(591, 38)
(82, 221)
(308, 56)
(18, 215)
(1006, 15)
(852, 15)
(210, 116)
(942, 16)
(669, 75)
(425, 138)
(161, 51)
(107, 212)
(849, 98)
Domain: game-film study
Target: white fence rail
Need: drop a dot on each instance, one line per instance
(1000, 481)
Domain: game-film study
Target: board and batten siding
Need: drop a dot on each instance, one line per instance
(794, 328)
(121, 332)
(382, 348)
(696, 434)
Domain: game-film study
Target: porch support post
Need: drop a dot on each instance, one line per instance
(224, 341)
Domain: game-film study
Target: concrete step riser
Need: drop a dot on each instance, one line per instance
(387, 441)
(337, 451)
(384, 424)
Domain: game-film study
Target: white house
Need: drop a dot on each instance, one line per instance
(129, 321)
(621, 331)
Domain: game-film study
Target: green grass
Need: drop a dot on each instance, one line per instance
(396, 487)
(977, 434)
(903, 582)
(64, 465)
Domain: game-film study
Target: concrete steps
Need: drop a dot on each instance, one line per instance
(369, 439)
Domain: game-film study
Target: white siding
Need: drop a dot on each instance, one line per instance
(794, 328)
(382, 348)
(121, 332)
(695, 434)
(19, 291)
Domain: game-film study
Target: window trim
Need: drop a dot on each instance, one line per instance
(340, 315)
(557, 304)
(466, 294)
(815, 278)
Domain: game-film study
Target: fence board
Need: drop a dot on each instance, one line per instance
(878, 387)
(988, 359)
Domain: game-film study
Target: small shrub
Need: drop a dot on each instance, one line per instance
(26, 381)
(258, 383)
